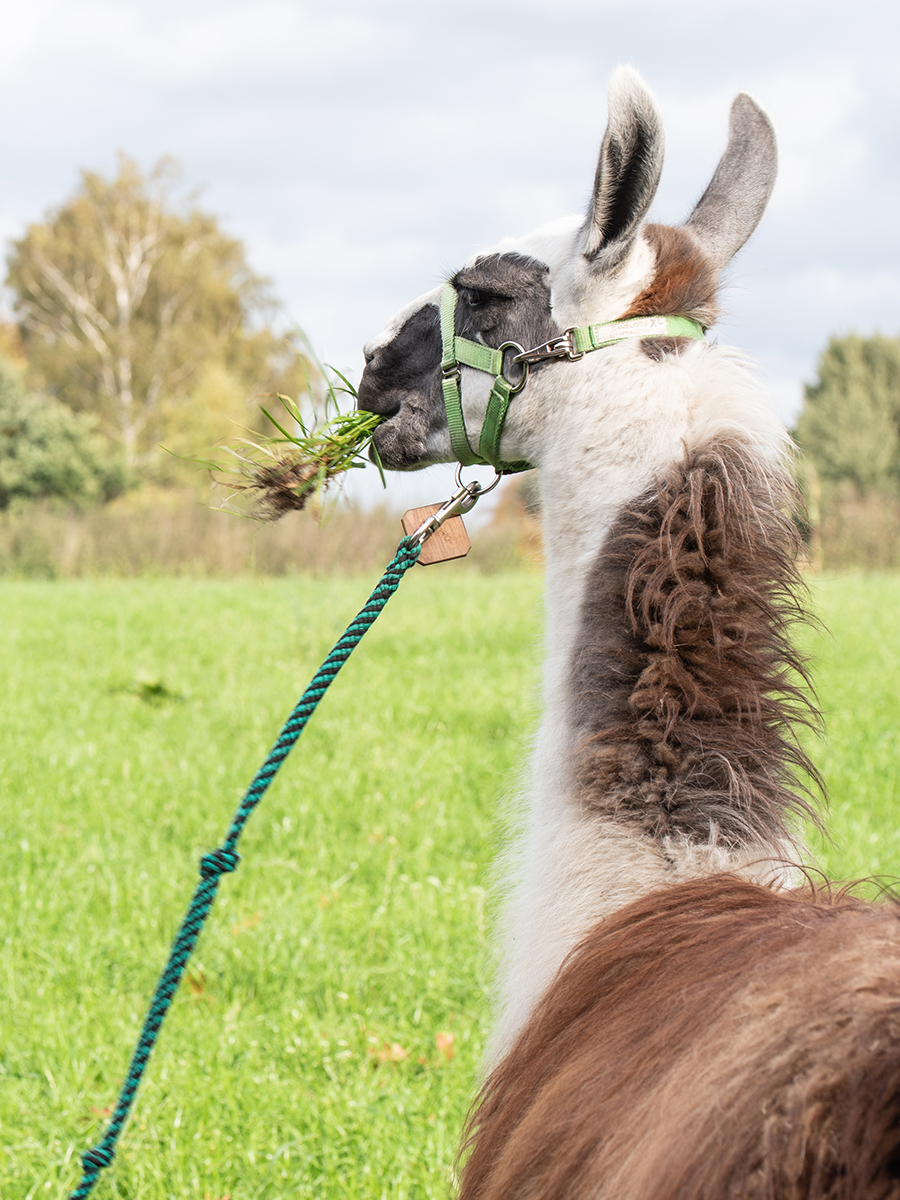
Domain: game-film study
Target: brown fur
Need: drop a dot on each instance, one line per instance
(686, 282)
(686, 687)
(714, 1041)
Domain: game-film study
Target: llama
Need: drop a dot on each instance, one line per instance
(679, 1015)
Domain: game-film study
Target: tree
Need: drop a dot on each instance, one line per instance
(124, 299)
(47, 451)
(850, 423)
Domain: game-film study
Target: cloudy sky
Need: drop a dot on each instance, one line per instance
(363, 148)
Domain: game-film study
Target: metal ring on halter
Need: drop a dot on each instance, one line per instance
(462, 501)
(514, 387)
(479, 490)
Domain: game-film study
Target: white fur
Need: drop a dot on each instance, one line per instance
(624, 420)
(575, 299)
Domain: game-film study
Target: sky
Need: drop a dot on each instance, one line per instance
(364, 148)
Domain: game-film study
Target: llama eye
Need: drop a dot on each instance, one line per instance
(473, 297)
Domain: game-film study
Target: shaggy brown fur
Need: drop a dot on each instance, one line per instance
(714, 1041)
(685, 682)
(685, 284)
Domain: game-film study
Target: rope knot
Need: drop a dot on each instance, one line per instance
(97, 1158)
(217, 862)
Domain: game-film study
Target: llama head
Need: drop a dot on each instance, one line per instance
(574, 273)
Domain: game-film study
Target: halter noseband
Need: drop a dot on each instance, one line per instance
(573, 344)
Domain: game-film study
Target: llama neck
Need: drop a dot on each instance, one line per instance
(582, 496)
(577, 517)
(665, 750)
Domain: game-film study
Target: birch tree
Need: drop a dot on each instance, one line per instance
(123, 296)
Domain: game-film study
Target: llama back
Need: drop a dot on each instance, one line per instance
(716, 1039)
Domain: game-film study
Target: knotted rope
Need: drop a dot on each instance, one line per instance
(226, 858)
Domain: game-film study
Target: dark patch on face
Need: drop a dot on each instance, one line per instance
(505, 298)
(502, 298)
(404, 374)
(683, 682)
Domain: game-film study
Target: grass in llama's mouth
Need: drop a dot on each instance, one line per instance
(284, 473)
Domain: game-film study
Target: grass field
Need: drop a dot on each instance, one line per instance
(326, 1041)
(856, 667)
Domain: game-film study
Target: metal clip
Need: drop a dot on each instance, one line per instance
(558, 347)
(460, 502)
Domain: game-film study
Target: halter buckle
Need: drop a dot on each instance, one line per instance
(558, 347)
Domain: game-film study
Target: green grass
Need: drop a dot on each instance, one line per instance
(301, 1056)
(856, 667)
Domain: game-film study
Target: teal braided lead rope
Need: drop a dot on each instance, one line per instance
(225, 858)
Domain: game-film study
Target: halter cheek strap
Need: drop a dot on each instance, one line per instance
(459, 351)
(573, 344)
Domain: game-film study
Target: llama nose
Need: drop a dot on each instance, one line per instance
(372, 396)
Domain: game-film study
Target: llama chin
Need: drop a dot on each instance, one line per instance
(657, 948)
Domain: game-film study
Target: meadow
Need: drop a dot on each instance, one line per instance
(326, 1039)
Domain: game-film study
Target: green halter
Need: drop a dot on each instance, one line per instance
(573, 344)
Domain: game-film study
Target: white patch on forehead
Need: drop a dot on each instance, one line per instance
(399, 319)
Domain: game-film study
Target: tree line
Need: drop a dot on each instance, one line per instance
(138, 322)
(850, 424)
(849, 435)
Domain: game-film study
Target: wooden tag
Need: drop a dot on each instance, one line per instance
(450, 541)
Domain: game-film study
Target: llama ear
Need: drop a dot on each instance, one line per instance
(730, 208)
(628, 170)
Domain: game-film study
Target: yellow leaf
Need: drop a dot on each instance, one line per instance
(393, 1053)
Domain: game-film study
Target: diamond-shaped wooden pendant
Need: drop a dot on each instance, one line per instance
(449, 541)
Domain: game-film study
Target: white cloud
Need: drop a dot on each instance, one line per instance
(173, 44)
(363, 150)
(820, 144)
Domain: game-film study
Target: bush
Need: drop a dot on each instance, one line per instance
(156, 532)
(49, 452)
